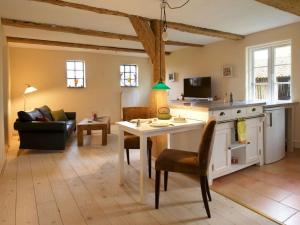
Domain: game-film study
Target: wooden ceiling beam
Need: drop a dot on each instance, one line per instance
(81, 31)
(173, 25)
(204, 31)
(145, 35)
(73, 45)
(290, 6)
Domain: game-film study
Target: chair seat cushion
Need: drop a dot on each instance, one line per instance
(177, 161)
(133, 142)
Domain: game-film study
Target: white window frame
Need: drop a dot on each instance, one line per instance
(84, 74)
(250, 83)
(137, 75)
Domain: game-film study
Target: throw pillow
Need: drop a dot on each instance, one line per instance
(59, 115)
(24, 116)
(46, 111)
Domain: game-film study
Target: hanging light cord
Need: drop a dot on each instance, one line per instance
(176, 7)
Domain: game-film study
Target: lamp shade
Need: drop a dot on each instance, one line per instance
(29, 89)
(160, 86)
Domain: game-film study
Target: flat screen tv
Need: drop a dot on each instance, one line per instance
(197, 87)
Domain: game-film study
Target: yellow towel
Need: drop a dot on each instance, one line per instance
(241, 130)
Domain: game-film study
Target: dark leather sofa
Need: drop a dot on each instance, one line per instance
(37, 130)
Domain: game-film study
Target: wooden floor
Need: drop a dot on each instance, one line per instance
(80, 187)
(273, 189)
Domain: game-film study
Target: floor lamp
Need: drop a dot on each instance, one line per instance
(29, 89)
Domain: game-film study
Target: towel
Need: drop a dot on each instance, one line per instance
(241, 130)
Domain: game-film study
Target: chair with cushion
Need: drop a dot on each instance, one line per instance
(131, 141)
(172, 160)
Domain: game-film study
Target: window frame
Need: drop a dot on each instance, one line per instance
(137, 75)
(83, 70)
(250, 82)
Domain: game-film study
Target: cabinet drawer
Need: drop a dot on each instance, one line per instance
(222, 114)
(254, 110)
(239, 112)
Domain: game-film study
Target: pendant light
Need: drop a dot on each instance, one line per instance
(163, 35)
(160, 85)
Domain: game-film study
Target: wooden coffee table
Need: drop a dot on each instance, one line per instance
(102, 123)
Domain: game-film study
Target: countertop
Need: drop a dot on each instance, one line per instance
(220, 105)
(215, 105)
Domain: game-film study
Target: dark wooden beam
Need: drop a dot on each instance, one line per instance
(81, 31)
(172, 25)
(290, 6)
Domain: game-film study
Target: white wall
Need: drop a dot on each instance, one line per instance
(3, 98)
(208, 61)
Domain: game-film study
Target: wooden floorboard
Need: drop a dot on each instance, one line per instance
(79, 186)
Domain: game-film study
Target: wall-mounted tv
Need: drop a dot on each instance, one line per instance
(197, 87)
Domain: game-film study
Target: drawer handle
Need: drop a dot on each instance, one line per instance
(229, 148)
(253, 109)
(238, 112)
(248, 143)
(222, 114)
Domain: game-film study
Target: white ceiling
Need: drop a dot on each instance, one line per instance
(235, 16)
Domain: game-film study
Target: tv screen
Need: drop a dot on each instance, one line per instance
(197, 87)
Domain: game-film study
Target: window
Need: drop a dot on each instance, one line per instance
(129, 76)
(269, 72)
(75, 74)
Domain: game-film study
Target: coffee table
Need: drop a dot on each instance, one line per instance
(102, 123)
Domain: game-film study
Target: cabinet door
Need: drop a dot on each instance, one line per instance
(252, 150)
(221, 154)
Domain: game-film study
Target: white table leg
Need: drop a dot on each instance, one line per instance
(121, 156)
(143, 169)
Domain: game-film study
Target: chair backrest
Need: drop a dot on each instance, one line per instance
(205, 148)
(130, 113)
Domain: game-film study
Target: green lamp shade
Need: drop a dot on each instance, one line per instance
(160, 86)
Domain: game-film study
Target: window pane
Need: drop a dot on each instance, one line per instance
(282, 91)
(70, 74)
(127, 82)
(133, 69)
(121, 69)
(127, 68)
(282, 73)
(70, 65)
(283, 55)
(261, 58)
(261, 72)
(79, 74)
(70, 83)
(122, 83)
(78, 65)
(79, 83)
(261, 91)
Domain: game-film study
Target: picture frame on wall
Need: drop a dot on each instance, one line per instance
(172, 77)
(227, 71)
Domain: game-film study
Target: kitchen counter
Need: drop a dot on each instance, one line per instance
(215, 105)
(275, 104)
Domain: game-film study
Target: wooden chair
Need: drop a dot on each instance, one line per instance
(187, 162)
(131, 141)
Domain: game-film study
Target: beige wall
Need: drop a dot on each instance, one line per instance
(208, 61)
(45, 70)
(3, 97)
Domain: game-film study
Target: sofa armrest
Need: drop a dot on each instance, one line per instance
(59, 126)
(71, 115)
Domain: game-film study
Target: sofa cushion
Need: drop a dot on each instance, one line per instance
(24, 116)
(59, 115)
(29, 116)
(46, 111)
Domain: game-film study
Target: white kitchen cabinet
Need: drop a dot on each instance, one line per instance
(252, 148)
(221, 155)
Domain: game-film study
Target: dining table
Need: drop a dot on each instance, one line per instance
(149, 128)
